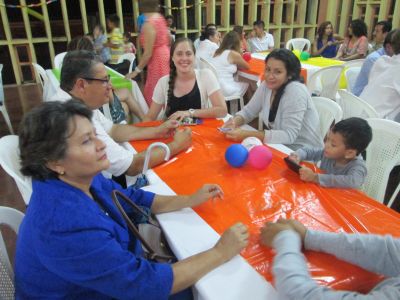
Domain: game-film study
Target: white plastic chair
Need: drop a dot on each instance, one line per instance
(325, 82)
(10, 162)
(328, 111)
(43, 80)
(58, 60)
(206, 64)
(383, 154)
(3, 108)
(300, 44)
(11, 218)
(128, 56)
(354, 63)
(354, 106)
(351, 75)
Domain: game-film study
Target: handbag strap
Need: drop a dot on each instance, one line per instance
(131, 226)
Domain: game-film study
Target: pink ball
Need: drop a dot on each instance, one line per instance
(247, 56)
(259, 157)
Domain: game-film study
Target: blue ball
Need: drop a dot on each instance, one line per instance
(236, 155)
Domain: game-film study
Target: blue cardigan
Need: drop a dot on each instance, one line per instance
(69, 248)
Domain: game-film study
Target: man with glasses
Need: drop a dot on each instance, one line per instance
(85, 77)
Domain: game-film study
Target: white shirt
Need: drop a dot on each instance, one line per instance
(206, 50)
(119, 155)
(261, 44)
(383, 89)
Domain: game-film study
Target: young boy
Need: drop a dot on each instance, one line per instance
(340, 158)
(116, 41)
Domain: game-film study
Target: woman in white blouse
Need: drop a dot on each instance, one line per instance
(186, 92)
(209, 43)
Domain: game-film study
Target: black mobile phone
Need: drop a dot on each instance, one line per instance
(292, 165)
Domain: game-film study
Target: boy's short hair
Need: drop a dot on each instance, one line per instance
(356, 133)
(114, 19)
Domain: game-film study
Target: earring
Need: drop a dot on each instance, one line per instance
(62, 173)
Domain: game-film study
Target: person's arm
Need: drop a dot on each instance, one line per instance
(292, 279)
(362, 78)
(153, 112)
(159, 98)
(182, 141)
(353, 179)
(149, 33)
(310, 154)
(235, 58)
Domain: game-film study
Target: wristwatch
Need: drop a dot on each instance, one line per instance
(191, 112)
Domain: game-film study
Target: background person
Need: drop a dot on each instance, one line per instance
(355, 45)
(262, 40)
(326, 41)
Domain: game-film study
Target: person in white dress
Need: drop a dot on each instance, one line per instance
(209, 43)
(227, 60)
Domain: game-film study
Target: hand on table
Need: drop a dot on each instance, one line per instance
(179, 115)
(294, 157)
(167, 128)
(206, 192)
(308, 175)
(230, 124)
(296, 226)
(232, 241)
(183, 138)
(236, 135)
(271, 230)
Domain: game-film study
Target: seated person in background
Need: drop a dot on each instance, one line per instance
(196, 43)
(262, 40)
(227, 60)
(382, 28)
(326, 41)
(99, 39)
(73, 243)
(383, 88)
(80, 43)
(116, 45)
(129, 47)
(362, 78)
(355, 46)
(244, 47)
(171, 27)
(209, 43)
(84, 76)
(379, 254)
(286, 107)
(187, 92)
(341, 161)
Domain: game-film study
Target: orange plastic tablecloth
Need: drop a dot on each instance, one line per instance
(254, 197)
(257, 67)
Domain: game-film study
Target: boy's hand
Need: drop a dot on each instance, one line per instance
(308, 175)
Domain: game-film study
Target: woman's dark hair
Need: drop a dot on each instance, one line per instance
(356, 133)
(149, 6)
(80, 43)
(293, 68)
(172, 68)
(77, 64)
(396, 41)
(207, 33)
(231, 41)
(358, 27)
(43, 135)
(321, 30)
(238, 29)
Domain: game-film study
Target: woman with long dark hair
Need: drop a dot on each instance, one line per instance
(187, 92)
(326, 41)
(355, 46)
(286, 107)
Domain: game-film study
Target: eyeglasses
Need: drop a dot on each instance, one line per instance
(102, 80)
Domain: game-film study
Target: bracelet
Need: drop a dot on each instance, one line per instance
(138, 70)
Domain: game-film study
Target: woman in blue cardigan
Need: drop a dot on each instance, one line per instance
(73, 243)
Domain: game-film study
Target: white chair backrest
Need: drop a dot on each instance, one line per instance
(383, 153)
(325, 82)
(328, 111)
(300, 44)
(354, 63)
(58, 60)
(40, 74)
(354, 106)
(11, 218)
(3, 108)
(10, 162)
(351, 77)
(204, 64)
(127, 56)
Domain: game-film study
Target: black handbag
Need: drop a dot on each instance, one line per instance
(149, 233)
